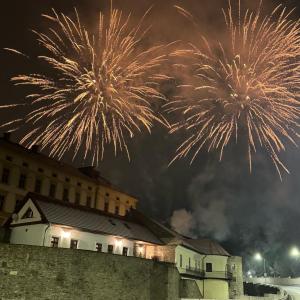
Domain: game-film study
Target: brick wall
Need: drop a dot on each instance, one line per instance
(29, 272)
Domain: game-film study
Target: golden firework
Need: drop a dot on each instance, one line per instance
(250, 84)
(96, 88)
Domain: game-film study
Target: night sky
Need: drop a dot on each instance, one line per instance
(220, 200)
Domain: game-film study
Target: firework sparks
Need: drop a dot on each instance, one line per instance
(96, 89)
(249, 85)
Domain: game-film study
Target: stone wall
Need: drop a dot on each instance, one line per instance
(189, 289)
(30, 272)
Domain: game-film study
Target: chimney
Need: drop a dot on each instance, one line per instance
(6, 136)
(35, 148)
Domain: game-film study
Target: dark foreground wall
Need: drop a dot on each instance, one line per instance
(29, 272)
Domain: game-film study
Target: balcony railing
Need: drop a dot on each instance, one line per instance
(203, 274)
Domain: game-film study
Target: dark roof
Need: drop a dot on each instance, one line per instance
(206, 246)
(171, 237)
(86, 173)
(92, 220)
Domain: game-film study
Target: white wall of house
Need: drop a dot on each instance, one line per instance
(41, 235)
(185, 257)
(87, 240)
(28, 234)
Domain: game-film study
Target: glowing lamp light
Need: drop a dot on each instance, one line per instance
(66, 234)
(258, 256)
(119, 242)
(295, 252)
(141, 249)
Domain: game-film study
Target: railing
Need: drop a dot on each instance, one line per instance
(203, 274)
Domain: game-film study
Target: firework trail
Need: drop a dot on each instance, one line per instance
(250, 84)
(96, 87)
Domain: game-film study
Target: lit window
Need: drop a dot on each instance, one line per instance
(22, 181)
(125, 251)
(66, 195)
(98, 247)
(110, 249)
(52, 190)
(5, 175)
(2, 199)
(38, 186)
(28, 214)
(54, 241)
(74, 244)
(208, 267)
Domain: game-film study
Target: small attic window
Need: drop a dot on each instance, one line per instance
(126, 225)
(28, 214)
(111, 222)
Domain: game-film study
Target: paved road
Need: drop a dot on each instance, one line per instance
(293, 291)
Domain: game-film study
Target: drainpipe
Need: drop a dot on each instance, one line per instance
(204, 273)
(45, 233)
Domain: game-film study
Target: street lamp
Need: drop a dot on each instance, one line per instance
(294, 252)
(259, 257)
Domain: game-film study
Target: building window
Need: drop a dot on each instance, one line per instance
(66, 195)
(106, 204)
(125, 251)
(110, 249)
(28, 214)
(22, 181)
(90, 188)
(2, 199)
(77, 198)
(117, 210)
(67, 179)
(52, 190)
(79, 183)
(5, 175)
(54, 175)
(88, 201)
(118, 198)
(208, 267)
(189, 263)
(25, 164)
(74, 244)
(54, 241)
(180, 260)
(18, 202)
(107, 194)
(40, 170)
(38, 186)
(98, 247)
(9, 158)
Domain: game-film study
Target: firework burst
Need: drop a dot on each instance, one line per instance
(97, 88)
(250, 84)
